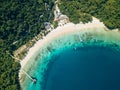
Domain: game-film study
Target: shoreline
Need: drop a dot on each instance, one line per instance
(59, 31)
(67, 28)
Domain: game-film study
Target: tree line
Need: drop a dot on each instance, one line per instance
(81, 10)
(20, 21)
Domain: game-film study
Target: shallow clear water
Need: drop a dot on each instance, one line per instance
(87, 60)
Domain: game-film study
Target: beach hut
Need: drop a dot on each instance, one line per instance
(62, 19)
(48, 26)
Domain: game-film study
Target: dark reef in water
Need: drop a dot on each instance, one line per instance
(63, 57)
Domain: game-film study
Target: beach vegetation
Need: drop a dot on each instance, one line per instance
(55, 24)
(106, 10)
(20, 21)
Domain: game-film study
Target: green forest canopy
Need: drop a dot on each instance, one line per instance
(108, 11)
(20, 21)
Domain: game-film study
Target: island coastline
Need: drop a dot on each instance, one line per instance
(59, 31)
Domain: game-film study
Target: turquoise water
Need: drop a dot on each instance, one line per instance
(86, 60)
(88, 68)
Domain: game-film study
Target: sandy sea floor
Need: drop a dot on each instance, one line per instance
(61, 38)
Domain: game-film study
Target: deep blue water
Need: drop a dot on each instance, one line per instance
(88, 68)
(93, 65)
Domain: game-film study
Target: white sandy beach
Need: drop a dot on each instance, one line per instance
(61, 30)
(65, 27)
